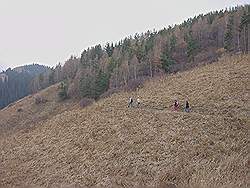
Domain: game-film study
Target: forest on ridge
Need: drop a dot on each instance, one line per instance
(101, 70)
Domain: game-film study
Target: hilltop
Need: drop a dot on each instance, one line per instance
(32, 70)
(107, 144)
(16, 83)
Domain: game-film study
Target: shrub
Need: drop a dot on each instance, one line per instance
(39, 100)
(220, 51)
(62, 94)
(19, 110)
(85, 102)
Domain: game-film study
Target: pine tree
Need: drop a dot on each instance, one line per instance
(109, 49)
(192, 46)
(101, 84)
(244, 28)
(228, 44)
(166, 60)
(52, 77)
(173, 41)
(92, 86)
(87, 86)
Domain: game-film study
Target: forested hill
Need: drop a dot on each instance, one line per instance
(32, 70)
(107, 144)
(124, 64)
(16, 83)
(101, 70)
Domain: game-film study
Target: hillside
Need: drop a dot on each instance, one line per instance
(16, 83)
(107, 144)
(196, 41)
(26, 113)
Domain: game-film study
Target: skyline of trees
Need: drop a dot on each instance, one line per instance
(153, 53)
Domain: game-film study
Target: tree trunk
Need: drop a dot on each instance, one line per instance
(238, 42)
(244, 41)
(150, 69)
(135, 76)
(247, 38)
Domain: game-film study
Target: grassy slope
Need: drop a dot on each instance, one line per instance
(31, 114)
(108, 144)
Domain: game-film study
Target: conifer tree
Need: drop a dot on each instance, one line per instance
(109, 49)
(244, 28)
(166, 60)
(192, 46)
(173, 41)
(228, 44)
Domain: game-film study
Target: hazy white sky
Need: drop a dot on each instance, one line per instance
(49, 31)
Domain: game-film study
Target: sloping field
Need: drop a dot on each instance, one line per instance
(25, 114)
(110, 145)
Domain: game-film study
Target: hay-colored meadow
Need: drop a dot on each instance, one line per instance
(108, 144)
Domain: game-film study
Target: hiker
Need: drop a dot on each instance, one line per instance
(138, 101)
(130, 103)
(187, 107)
(176, 105)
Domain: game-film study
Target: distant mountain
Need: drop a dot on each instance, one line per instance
(15, 83)
(32, 70)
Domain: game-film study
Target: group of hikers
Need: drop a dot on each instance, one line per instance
(131, 101)
(176, 105)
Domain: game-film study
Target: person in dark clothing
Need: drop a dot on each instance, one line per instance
(130, 103)
(187, 107)
(138, 101)
(176, 105)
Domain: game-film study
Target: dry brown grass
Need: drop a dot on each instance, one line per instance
(109, 145)
(35, 110)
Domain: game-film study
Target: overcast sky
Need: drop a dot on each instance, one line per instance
(49, 31)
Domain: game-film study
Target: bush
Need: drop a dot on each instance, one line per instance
(19, 110)
(220, 51)
(85, 102)
(62, 94)
(40, 100)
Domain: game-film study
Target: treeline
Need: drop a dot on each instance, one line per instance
(201, 39)
(15, 83)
